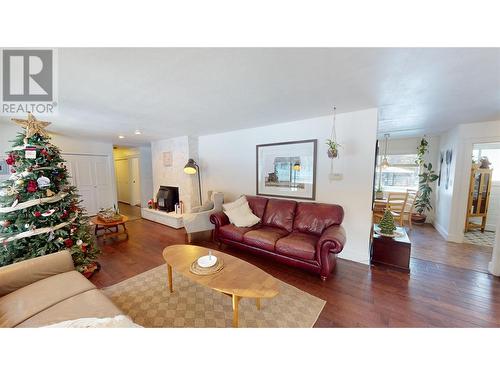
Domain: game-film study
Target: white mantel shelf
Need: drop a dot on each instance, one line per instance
(170, 219)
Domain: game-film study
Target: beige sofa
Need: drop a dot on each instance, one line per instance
(48, 290)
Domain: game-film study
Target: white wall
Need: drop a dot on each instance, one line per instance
(146, 171)
(444, 196)
(228, 165)
(182, 149)
(67, 145)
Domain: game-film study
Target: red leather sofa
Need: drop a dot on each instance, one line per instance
(300, 234)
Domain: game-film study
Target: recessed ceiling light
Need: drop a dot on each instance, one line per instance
(138, 132)
(121, 136)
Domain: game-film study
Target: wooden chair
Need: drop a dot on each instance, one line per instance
(396, 203)
(409, 206)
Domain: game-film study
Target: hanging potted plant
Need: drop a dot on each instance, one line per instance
(423, 201)
(333, 148)
(421, 151)
(333, 145)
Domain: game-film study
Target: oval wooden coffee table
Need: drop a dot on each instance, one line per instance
(238, 279)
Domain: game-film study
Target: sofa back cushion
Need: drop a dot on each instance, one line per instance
(280, 213)
(314, 218)
(257, 205)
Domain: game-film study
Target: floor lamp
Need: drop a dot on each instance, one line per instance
(192, 168)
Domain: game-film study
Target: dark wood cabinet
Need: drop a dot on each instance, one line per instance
(391, 251)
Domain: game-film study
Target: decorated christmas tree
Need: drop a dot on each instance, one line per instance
(40, 213)
(386, 225)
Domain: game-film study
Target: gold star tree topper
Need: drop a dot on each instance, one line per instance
(33, 126)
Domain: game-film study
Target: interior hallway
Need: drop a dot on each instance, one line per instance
(428, 244)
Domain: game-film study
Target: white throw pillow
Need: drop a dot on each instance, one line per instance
(238, 202)
(242, 216)
(119, 321)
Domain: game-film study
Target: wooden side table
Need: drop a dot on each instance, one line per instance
(107, 227)
(391, 251)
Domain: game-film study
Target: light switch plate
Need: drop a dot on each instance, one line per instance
(335, 176)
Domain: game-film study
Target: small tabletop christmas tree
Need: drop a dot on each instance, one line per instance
(386, 225)
(40, 213)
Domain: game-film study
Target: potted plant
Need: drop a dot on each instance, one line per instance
(379, 194)
(423, 201)
(333, 148)
(421, 151)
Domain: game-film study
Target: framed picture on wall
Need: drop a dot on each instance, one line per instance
(287, 169)
(167, 159)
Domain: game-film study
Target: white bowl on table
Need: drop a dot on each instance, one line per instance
(207, 261)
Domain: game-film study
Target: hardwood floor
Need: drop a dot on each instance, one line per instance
(433, 295)
(133, 212)
(427, 244)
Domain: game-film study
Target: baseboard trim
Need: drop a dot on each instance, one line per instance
(441, 230)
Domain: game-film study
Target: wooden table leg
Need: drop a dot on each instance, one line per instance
(257, 303)
(236, 301)
(170, 286)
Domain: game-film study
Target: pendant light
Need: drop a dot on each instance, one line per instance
(385, 162)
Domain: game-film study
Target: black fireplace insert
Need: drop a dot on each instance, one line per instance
(167, 198)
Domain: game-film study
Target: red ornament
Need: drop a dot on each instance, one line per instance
(12, 170)
(44, 152)
(6, 223)
(64, 215)
(68, 242)
(84, 248)
(37, 214)
(32, 186)
(10, 159)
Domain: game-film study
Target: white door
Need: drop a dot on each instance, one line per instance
(135, 189)
(122, 180)
(102, 182)
(91, 175)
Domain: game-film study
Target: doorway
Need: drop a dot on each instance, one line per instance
(128, 175)
(483, 209)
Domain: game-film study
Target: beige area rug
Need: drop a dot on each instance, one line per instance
(146, 299)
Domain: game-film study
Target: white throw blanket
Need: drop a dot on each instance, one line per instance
(119, 321)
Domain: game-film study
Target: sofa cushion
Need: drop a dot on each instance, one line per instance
(280, 213)
(264, 238)
(232, 232)
(90, 304)
(242, 216)
(232, 205)
(257, 205)
(298, 245)
(18, 275)
(26, 302)
(314, 218)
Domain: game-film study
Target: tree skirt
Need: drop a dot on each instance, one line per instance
(146, 299)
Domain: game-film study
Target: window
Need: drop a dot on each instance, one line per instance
(492, 152)
(402, 173)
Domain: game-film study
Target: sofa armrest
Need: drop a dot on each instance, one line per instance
(332, 239)
(18, 275)
(219, 219)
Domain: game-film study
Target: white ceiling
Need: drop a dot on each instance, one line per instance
(165, 92)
